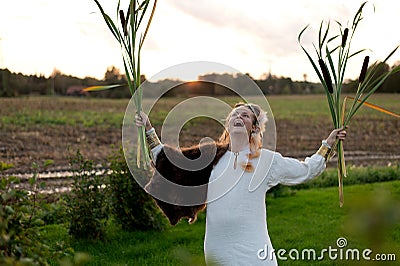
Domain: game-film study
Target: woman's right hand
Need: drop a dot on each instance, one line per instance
(143, 120)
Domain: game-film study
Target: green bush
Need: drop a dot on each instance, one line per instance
(87, 202)
(131, 206)
(355, 175)
(280, 191)
(54, 211)
(21, 242)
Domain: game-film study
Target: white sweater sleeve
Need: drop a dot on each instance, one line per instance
(289, 171)
(155, 151)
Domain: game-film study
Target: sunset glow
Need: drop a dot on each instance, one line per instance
(37, 36)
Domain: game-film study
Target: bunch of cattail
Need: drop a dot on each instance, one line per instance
(126, 32)
(331, 74)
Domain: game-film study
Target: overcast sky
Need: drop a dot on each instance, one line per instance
(253, 36)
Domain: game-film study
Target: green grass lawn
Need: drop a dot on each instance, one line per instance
(307, 219)
(311, 218)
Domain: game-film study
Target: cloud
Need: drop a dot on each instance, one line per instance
(273, 27)
(251, 35)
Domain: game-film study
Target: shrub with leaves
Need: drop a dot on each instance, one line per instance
(132, 207)
(87, 204)
(21, 242)
(53, 210)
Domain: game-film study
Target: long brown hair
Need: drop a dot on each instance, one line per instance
(256, 136)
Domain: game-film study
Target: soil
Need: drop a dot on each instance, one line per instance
(369, 142)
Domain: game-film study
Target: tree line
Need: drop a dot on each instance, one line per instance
(18, 84)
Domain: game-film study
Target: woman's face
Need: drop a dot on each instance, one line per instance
(241, 120)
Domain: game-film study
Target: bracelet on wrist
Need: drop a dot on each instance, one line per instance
(325, 143)
(151, 130)
(324, 151)
(152, 139)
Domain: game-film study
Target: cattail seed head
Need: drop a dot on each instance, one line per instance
(123, 22)
(364, 69)
(326, 75)
(128, 13)
(344, 37)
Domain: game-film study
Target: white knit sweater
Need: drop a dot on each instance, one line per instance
(236, 227)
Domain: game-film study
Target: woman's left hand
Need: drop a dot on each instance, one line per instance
(339, 133)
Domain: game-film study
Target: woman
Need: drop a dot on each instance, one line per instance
(236, 229)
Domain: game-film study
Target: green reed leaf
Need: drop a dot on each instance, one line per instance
(375, 107)
(369, 83)
(148, 24)
(142, 9)
(128, 78)
(325, 35)
(377, 84)
(329, 96)
(356, 53)
(127, 36)
(301, 33)
(391, 53)
(332, 39)
(108, 21)
(358, 15)
(322, 40)
(103, 87)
